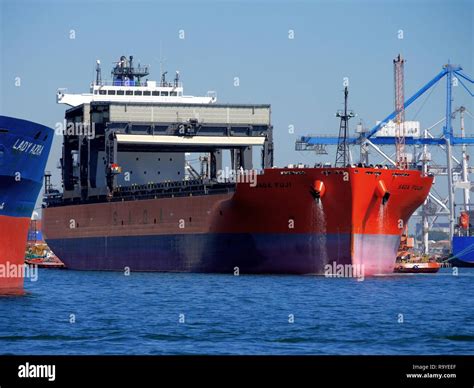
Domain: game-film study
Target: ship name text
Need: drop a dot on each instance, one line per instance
(28, 147)
(412, 187)
(276, 185)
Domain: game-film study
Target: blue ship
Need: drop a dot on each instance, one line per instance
(24, 151)
(463, 251)
(463, 241)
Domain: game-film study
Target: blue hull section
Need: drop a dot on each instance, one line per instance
(218, 253)
(24, 151)
(463, 251)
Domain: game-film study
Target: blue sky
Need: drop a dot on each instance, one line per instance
(301, 78)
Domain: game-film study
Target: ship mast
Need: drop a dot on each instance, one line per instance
(98, 78)
(398, 68)
(342, 153)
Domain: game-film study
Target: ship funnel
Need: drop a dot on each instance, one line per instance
(318, 190)
(382, 192)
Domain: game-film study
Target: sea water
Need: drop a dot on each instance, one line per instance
(73, 312)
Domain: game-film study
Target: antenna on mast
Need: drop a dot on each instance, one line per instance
(176, 79)
(162, 61)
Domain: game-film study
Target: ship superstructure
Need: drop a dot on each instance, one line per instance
(129, 84)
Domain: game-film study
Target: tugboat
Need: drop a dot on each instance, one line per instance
(37, 252)
(408, 261)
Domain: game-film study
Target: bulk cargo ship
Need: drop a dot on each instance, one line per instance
(24, 150)
(132, 200)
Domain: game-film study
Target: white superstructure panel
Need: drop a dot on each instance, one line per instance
(230, 141)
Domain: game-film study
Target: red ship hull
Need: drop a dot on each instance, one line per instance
(13, 235)
(298, 221)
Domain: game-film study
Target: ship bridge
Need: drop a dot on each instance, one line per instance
(128, 85)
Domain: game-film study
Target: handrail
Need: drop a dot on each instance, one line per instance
(137, 84)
